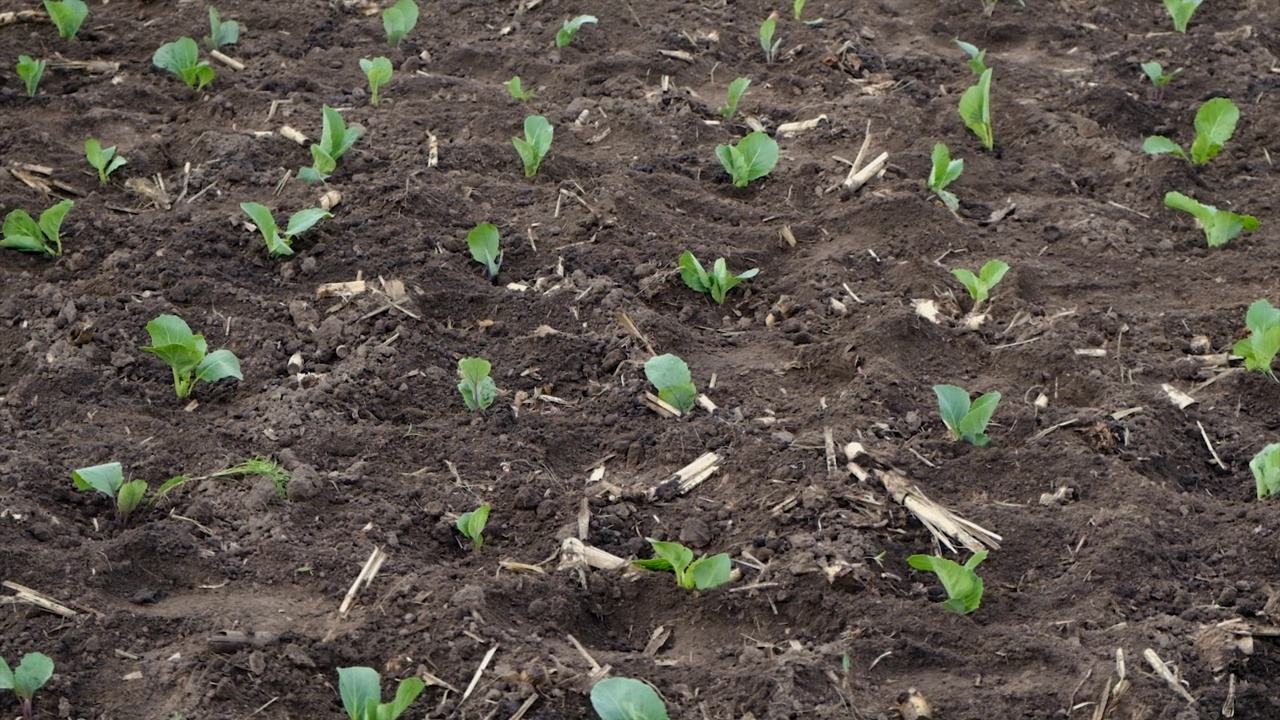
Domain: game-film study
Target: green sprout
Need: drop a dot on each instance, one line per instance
(1266, 470)
(1181, 12)
(361, 691)
(279, 243)
(378, 73)
(30, 70)
(1219, 226)
(736, 90)
(535, 144)
(621, 698)
(30, 675)
(963, 586)
(104, 160)
(753, 157)
(221, 33)
(797, 8)
(569, 30)
(1260, 348)
(515, 87)
(1158, 77)
(483, 242)
(109, 480)
(671, 376)
(24, 234)
(980, 285)
(1215, 124)
(260, 466)
(477, 388)
(186, 354)
(336, 138)
(704, 573)
(944, 172)
(68, 15)
(977, 61)
(975, 109)
(182, 58)
(471, 524)
(966, 421)
(399, 20)
(717, 282)
(767, 43)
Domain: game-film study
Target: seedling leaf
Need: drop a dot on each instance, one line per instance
(737, 89)
(104, 160)
(217, 365)
(67, 15)
(221, 33)
(515, 87)
(1260, 348)
(767, 29)
(30, 675)
(1181, 12)
(477, 388)
(483, 241)
(670, 375)
(621, 698)
(710, 571)
(30, 70)
(106, 479)
(1161, 145)
(1266, 470)
(944, 171)
(471, 524)
(23, 233)
(980, 285)
(569, 30)
(977, 58)
(1220, 226)
(399, 20)
(535, 144)
(182, 58)
(358, 686)
(692, 273)
(185, 353)
(752, 158)
(378, 72)
(1215, 124)
(975, 109)
(966, 421)
(962, 584)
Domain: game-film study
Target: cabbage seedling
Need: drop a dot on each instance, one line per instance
(1181, 12)
(471, 524)
(980, 285)
(182, 58)
(477, 388)
(966, 421)
(1215, 124)
(30, 675)
(104, 160)
(797, 8)
(1266, 470)
(336, 138)
(68, 15)
(736, 90)
(30, 70)
(483, 242)
(717, 282)
(963, 586)
(378, 73)
(173, 342)
(977, 61)
(1158, 77)
(535, 144)
(282, 243)
(621, 698)
(108, 479)
(671, 376)
(515, 87)
(767, 43)
(569, 30)
(975, 109)
(399, 20)
(23, 233)
(220, 32)
(752, 158)
(361, 690)
(704, 573)
(1220, 226)
(1260, 348)
(944, 172)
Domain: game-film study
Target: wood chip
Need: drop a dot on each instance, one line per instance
(230, 62)
(367, 573)
(340, 289)
(1180, 399)
(791, 129)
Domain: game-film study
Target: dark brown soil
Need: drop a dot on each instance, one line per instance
(1158, 546)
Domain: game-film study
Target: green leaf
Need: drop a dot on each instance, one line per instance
(710, 571)
(752, 158)
(1261, 316)
(736, 90)
(23, 233)
(977, 58)
(6, 676)
(177, 56)
(67, 15)
(722, 281)
(1220, 226)
(221, 33)
(471, 524)
(767, 29)
(30, 70)
(477, 388)
(31, 674)
(569, 30)
(975, 109)
(1178, 201)
(483, 241)
(408, 691)
(667, 370)
(310, 174)
(170, 330)
(336, 138)
(266, 223)
(304, 220)
(1266, 470)
(378, 72)
(358, 686)
(217, 365)
(621, 698)
(977, 290)
(130, 496)
(1181, 12)
(973, 427)
(538, 134)
(692, 273)
(678, 555)
(658, 564)
(515, 88)
(106, 478)
(681, 396)
(962, 584)
(51, 223)
(945, 170)
(1215, 124)
(953, 405)
(399, 20)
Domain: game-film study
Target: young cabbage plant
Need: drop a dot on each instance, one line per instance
(751, 159)
(621, 698)
(336, 138)
(1181, 12)
(977, 61)
(975, 109)
(471, 524)
(279, 243)
(963, 586)
(569, 30)
(1266, 470)
(717, 282)
(535, 144)
(1159, 78)
(767, 43)
(221, 32)
(68, 15)
(104, 160)
(187, 355)
(797, 8)
(704, 573)
(483, 241)
(1215, 124)
(944, 172)
(109, 480)
(32, 673)
(24, 234)
(515, 88)
(980, 285)
(1260, 348)
(671, 376)
(1219, 226)
(966, 421)
(361, 691)
(399, 20)
(378, 72)
(30, 70)
(182, 58)
(736, 90)
(477, 388)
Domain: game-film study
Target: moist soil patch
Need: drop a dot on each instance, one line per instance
(221, 600)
